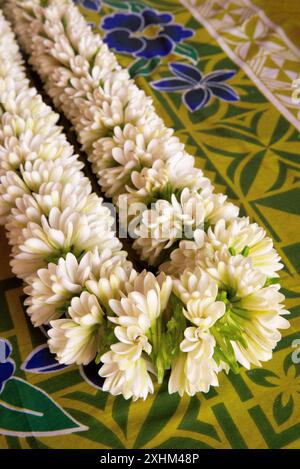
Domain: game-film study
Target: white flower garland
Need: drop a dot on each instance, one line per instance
(63, 246)
(225, 308)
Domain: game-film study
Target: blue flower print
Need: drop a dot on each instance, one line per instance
(7, 366)
(147, 34)
(199, 88)
(94, 5)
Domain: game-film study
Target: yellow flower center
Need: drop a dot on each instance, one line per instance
(150, 32)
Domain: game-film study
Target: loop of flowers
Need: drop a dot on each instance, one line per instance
(222, 307)
(63, 246)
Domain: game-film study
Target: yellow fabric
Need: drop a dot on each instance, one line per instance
(285, 14)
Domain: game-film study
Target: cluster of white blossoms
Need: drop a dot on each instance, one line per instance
(63, 246)
(216, 303)
(139, 162)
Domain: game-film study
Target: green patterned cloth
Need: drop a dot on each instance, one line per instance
(245, 135)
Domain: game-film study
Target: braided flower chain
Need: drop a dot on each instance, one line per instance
(225, 308)
(63, 246)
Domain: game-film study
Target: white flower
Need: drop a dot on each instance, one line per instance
(132, 343)
(110, 276)
(165, 177)
(158, 230)
(183, 174)
(148, 183)
(29, 139)
(201, 369)
(138, 146)
(31, 208)
(11, 188)
(26, 210)
(119, 103)
(76, 339)
(147, 299)
(236, 274)
(130, 150)
(162, 225)
(53, 287)
(241, 236)
(125, 367)
(194, 285)
(255, 308)
(189, 255)
(261, 318)
(64, 169)
(62, 232)
(132, 381)
(194, 369)
(198, 292)
(220, 209)
(43, 303)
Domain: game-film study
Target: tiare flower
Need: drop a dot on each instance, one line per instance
(189, 254)
(254, 311)
(194, 369)
(111, 275)
(60, 233)
(198, 292)
(168, 222)
(136, 317)
(76, 339)
(31, 208)
(146, 299)
(240, 236)
(51, 290)
(130, 150)
(12, 187)
(162, 179)
(132, 381)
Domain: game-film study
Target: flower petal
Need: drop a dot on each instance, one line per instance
(6, 371)
(224, 92)
(219, 76)
(93, 5)
(177, 32)
(132, 22)
(158, 47)
(196, 99)
(189, 72)
(171, 84)
(121, 41)
(151, 17)
(5, 349)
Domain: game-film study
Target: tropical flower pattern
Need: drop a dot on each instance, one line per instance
(37, 412)
(286, 382)
(147, 34)
(198, 88)
(93, 5)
